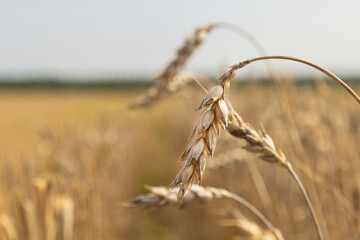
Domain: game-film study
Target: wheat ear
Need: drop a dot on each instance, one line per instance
(170, 80)
(250, 228)
(160, 196)
(204, 136)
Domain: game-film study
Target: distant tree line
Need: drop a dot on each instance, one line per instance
(43, 83)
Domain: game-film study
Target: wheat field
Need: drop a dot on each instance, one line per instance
(70, 160)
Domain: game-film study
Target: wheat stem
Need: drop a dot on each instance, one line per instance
(323, 70)
(306, 196)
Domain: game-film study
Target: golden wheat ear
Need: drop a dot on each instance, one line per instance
(160, 196)
(214, 115)
(170, 79)
(248, 228)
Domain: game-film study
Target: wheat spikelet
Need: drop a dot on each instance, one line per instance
(170, 80)
(257, 141)
(204, 136)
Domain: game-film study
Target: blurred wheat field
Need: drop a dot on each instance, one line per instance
(90, 148)
(33, 110)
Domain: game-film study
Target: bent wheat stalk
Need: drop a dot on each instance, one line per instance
(258, 142)
(160, 196)
(321, 69)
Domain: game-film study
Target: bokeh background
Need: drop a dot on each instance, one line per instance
(72, 151)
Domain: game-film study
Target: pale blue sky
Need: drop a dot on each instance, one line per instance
(129, 38)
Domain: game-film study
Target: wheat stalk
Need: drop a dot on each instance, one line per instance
(203, 139)
(258, 141)
(160, 196)
(321, 69)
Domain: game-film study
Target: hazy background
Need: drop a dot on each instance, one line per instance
(137, 38)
